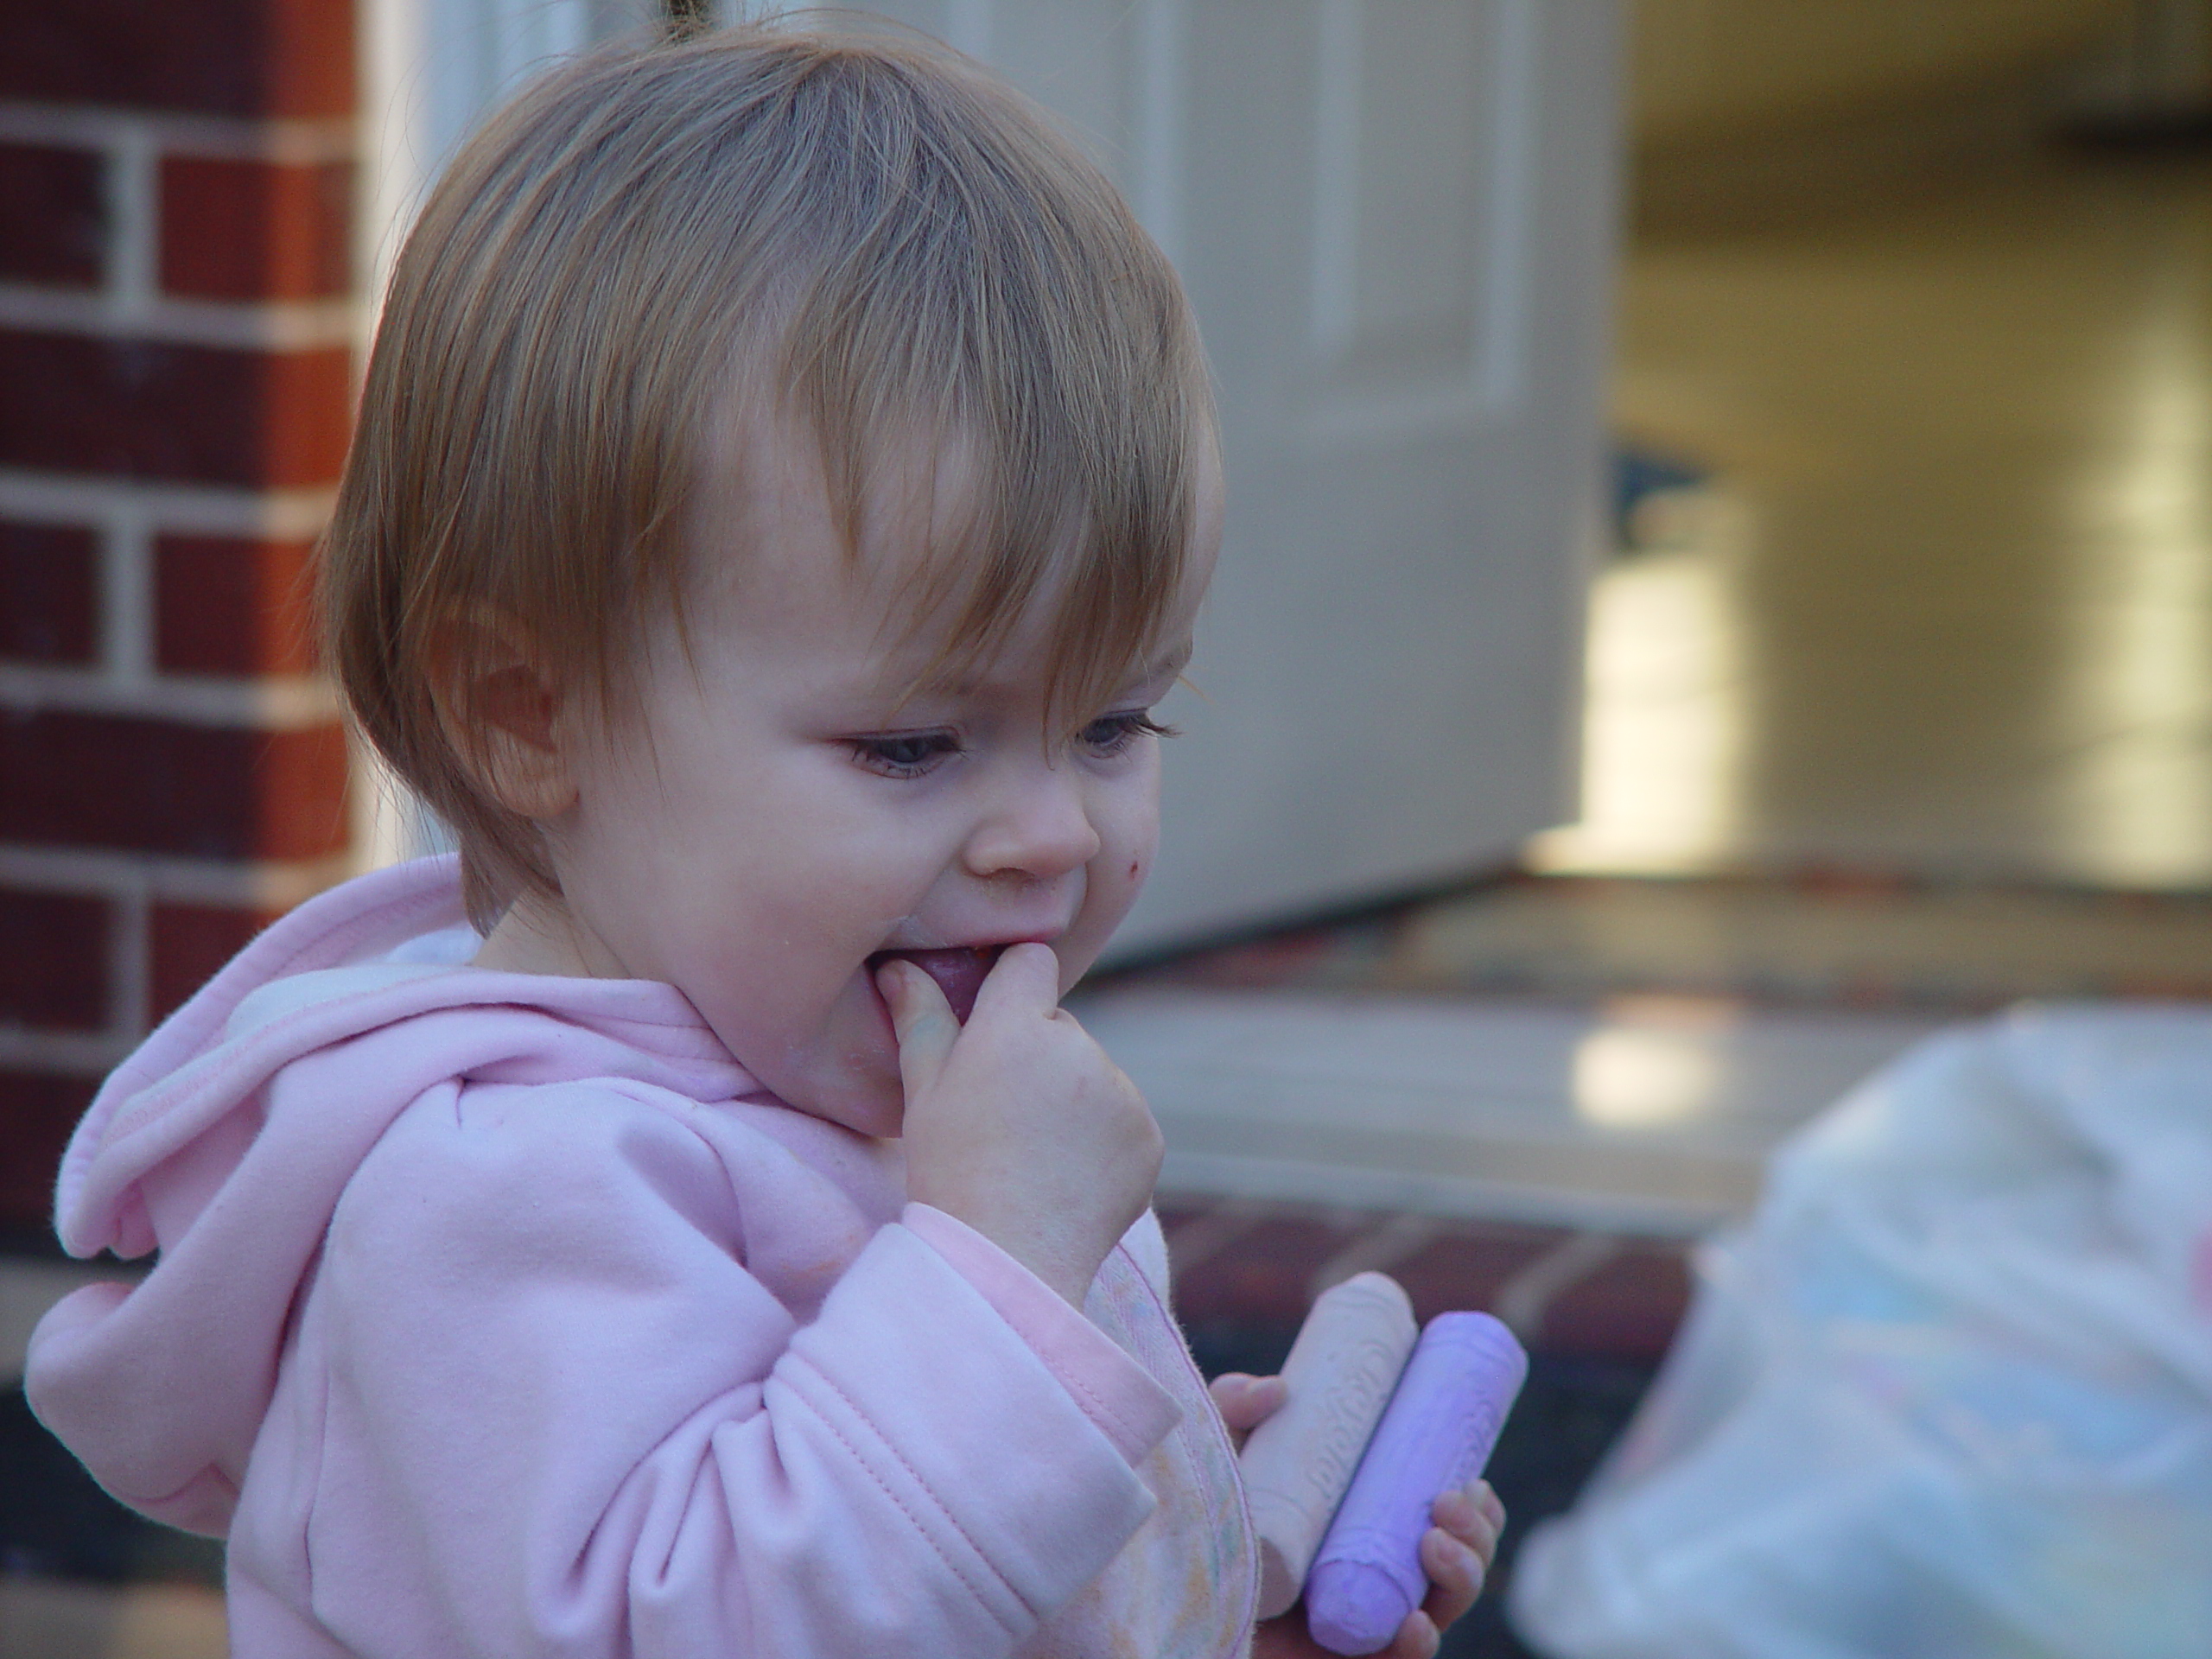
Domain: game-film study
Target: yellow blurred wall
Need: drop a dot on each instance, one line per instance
(1709, 70)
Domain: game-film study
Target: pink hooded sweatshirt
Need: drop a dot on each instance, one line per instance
(499, 1314)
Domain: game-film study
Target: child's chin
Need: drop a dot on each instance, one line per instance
(867, 1104)
(882, 1118)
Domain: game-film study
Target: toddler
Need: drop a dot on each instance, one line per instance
(684, 1224)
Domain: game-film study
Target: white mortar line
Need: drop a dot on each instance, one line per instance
(80, 1053)
(1377, 1251)
(297, 143)
(134, 238)
(1523, 1300)
(130, 960)
(127, 596)
(132, 309)
(265, 884)
(276, 703)
(188, 509)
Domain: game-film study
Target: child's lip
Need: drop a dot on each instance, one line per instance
(959, 971)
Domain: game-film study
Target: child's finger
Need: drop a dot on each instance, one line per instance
(1246, 1402)
(1455, 1577)
(1024, 976)
(1417, 1638)
(923, 1019)
(1473, 1516)
(1487, 1502)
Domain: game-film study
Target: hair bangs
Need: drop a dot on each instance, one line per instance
(1003, 299)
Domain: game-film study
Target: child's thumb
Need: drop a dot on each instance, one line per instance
(923, 1020)
(1246, 1402)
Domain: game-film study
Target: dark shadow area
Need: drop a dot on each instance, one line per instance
(56, 1524)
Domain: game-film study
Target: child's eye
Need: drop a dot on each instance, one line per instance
(1111, 734)
(905, 754)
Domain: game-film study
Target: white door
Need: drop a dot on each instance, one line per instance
(1396, 218)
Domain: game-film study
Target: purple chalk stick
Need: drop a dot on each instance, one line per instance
(1436, 1433)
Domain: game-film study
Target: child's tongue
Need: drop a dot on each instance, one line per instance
(959, 972)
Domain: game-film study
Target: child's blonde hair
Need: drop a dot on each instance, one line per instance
(863, 233)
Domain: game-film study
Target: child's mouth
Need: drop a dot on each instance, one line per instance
(959, 972)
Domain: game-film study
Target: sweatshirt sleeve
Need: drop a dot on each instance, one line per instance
(560, 1417)
(1120, 1396)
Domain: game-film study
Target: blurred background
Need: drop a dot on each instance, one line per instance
(1718, 587)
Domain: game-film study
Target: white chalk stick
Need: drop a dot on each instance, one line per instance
(1298, 1463)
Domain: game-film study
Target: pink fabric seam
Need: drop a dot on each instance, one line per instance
(1044, 1319)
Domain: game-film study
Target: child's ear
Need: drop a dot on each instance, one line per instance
(500, 709)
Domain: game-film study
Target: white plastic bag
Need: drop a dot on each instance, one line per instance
(1949, 1395)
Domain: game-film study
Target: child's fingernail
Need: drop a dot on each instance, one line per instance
(1456, 1566)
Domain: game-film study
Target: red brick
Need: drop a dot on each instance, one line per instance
(53, 960)
(49, 593)
(152, 786)
(200, 415)
(37, 1112)
(229, 606)
(52, 216)
(190, 942)
(1262, 1276)
(1628, 1309)
(245, 230)
(219, 57)
(1463, 1271)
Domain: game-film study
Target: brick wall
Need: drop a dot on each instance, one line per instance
(176, 313)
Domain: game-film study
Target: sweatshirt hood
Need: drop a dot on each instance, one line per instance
(224, 1143)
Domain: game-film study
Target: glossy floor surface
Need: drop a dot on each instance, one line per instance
(1945, 603)
(1643, 1115)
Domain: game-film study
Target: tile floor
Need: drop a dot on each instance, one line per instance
(1823, 937)
(1649, 1115)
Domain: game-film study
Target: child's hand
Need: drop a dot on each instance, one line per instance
(1456, 1554)
(1017, 1124)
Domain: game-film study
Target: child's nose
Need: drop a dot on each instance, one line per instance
(1039, 829)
